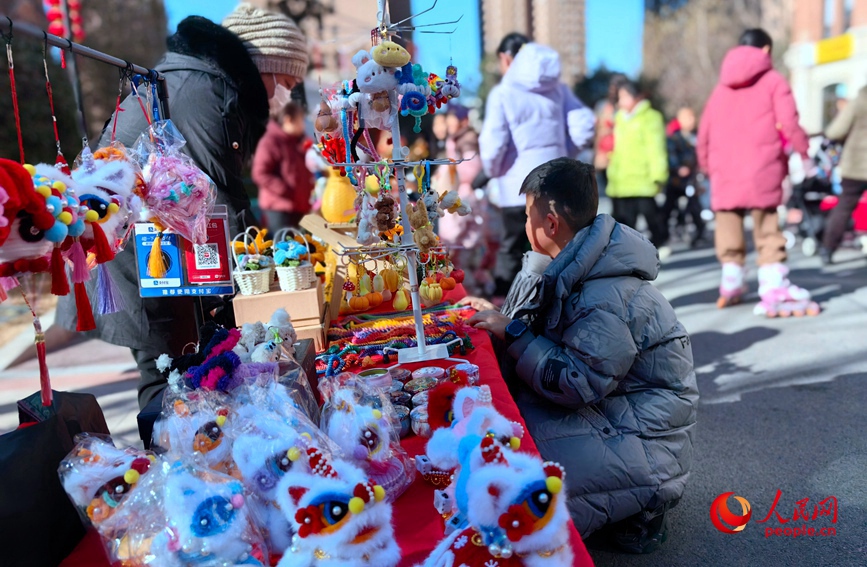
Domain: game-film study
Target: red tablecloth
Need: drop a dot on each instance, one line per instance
(418, 526)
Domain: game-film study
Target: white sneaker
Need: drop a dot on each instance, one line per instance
(664, 252)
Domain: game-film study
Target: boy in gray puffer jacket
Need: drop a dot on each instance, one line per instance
(605, 376)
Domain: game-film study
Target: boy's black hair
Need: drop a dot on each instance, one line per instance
(756, 37)
(512, 43)
(567, 186)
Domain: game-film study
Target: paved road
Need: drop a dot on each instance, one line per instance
(782, 409)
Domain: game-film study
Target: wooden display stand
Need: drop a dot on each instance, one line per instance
(337, 236)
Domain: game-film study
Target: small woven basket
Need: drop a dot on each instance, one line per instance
(250, 282)
(295, 278)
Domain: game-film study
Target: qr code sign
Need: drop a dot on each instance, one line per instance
(207, 256)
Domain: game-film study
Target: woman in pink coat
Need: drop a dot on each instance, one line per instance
(741, 147)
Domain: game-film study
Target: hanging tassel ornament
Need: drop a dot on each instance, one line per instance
(110, 300)
(156, 263)
(80, 275)
(39, 339)
(59, 280)
(85, 311)
(104, 252)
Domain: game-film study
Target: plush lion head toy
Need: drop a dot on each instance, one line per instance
(98, 477)
(341, 518)
(516, 512)
(265, 452)
(208, 521)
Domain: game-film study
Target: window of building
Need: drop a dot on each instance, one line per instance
(833, 97)
(847, 14)
(828, 17)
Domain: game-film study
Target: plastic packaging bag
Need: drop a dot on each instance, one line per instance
(267, 446)
(179, 194)
(197, 422)
(98, 476)
(362, 422)
(186, 514)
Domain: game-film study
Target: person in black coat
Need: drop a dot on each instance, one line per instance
(221, 82)
(682, 178)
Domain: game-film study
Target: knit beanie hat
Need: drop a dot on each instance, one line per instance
(273, 41)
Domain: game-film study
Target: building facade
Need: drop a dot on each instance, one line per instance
(558, 23)
(827, 57)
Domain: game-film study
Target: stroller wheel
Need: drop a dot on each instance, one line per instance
(790, 239)
(809, 246)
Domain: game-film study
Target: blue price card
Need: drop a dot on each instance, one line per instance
(174, 283)
(145, 234)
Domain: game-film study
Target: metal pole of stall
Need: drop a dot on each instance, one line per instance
(30, 30)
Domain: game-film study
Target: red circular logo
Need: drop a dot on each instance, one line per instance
(722, 517)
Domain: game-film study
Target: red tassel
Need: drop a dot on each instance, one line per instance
(85, 312)
(103, 250)
(59, 281)
(44, 379)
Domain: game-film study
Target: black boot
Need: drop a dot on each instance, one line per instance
(825, 255)
(639, 534)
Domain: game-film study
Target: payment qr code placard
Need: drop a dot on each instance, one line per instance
(208, 263)
(207, 256)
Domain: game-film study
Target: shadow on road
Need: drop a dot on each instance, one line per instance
(713, 347)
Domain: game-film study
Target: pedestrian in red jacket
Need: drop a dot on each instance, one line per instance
(284, 182)
(750, 113)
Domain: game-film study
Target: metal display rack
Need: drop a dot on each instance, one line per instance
(407, 248)
(10, 28)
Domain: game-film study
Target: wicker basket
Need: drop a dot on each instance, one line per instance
(295, 278)
(250, 282)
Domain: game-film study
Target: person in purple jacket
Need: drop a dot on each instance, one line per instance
(530, 118)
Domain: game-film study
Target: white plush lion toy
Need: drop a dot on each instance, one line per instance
(451, 448)
(516, 510)
(208, 521)
(341, 518)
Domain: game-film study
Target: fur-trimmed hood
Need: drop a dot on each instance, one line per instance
(223, 53)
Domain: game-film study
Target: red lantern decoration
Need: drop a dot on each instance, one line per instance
(74, 4)
(54, 14)
(57, 28)
(54, 2)
(76, 19)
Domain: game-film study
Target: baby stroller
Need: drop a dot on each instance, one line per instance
(810, 196)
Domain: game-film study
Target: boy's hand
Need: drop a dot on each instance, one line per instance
(478, 303)
(492, 321)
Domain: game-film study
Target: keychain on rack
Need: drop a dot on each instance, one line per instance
(8, 39)
(117, 109)
(134, 83)
(155, 99)
(60, 161)
(386, 215)
(345, 117)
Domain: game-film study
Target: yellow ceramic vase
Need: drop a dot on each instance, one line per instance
(338, 200)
